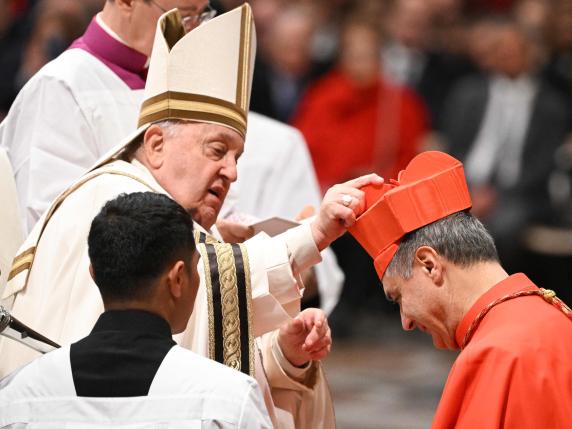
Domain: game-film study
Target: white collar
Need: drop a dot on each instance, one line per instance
(108, 30)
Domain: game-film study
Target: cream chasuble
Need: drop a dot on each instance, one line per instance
(57, 296)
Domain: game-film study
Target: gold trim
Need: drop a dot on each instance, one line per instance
(60, 199)
(180, 105)
(205, 257)
(246, 264)
(211, 239)
(23, 255)
(192, 106)
(239, 127)
(172, 28)
(248, 57)
(241, 59)
(18, 267)
(185, 96)
(83, 181)
(229, 306)
(548, 295)
(244, 58)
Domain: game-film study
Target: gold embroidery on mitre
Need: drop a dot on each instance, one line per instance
(229, 306)
(180, 105)
(245, 49)
(173, 29)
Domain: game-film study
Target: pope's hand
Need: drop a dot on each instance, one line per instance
(232, 232)
(340, 207)
(306, 337)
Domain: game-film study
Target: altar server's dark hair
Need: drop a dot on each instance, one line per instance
(134, 239)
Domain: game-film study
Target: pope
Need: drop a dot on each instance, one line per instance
(192, 126)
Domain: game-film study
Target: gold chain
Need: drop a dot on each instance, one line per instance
(548, 295)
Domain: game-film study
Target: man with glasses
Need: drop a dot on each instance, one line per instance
(194, 19)
(84, 101)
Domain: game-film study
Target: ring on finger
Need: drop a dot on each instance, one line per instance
(346, 200)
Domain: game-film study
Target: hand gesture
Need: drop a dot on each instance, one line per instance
(306, 337)
(340, 207)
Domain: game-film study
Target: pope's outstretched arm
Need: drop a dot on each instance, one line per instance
(276, 263)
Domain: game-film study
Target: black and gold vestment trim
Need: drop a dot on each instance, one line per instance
(229, 303)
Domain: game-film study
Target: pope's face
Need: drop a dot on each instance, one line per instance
(198, 166)
(422, 305)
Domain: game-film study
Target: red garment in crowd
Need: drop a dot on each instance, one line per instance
(516, 370)
(353, 130)
(18, 7)
(484, 6)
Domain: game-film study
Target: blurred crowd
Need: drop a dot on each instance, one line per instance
(370, 83)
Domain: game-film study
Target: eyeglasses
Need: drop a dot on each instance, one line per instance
(192, 21)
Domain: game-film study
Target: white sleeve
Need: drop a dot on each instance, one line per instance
(294, 182)
(253, 411)
(62, 144)
(275, 264)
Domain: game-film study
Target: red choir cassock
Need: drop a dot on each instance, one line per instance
(353, 129)
(514, 372)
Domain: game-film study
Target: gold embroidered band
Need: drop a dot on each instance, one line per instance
(243, 266)
(244, 59)
(229, 306)
(22, 262)
(229, 303)
(179, 105)
(201, 247)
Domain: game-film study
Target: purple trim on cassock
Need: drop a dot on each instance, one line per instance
(125, 62)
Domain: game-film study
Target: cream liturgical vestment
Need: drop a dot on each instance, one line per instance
(247, 291)
(188, 391)
(98, 84)
(10, 228)
(61, 300)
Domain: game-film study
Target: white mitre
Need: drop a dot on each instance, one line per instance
(202, 76)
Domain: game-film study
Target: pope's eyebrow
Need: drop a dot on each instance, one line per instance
(216, 136)
(389, 297)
